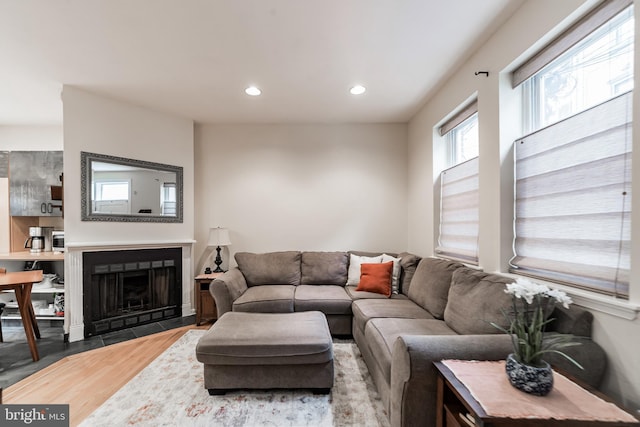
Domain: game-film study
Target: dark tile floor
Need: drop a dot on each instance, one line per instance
(15, 358)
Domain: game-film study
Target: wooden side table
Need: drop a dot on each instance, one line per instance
(205, 304)
(457, 406)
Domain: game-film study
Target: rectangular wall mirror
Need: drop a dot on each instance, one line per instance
(128, 190)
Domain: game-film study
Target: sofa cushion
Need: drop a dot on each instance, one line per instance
(367, 309)
(395, 276)
(273, 268)
(382, 333)
(266, 299)
(476, 299)
(329, 299)
(376, 278)
(408, 264)
(356, 295)
(370, 254)
(430, 284)
(354, 266)
(324, 268)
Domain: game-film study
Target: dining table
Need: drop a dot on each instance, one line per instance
(20, 283)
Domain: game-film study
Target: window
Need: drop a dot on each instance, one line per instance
(111, 190)
(461, 135)
(573, 174)
(111, 196)
(459, 197)
(168, 198)
(596, 69)
(462, 141)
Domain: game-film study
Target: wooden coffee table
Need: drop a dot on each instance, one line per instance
(471, 400)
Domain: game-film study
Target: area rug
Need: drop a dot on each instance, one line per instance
(170, 392)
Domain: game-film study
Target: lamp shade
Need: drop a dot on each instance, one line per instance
(219, 237)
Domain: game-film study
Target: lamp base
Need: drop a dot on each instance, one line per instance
(218, 261)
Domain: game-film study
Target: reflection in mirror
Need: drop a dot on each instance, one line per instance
(119, 189)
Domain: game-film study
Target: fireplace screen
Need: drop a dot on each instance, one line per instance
(129, 288)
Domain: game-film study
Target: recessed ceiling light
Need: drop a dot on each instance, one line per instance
(358, 90)
(253, 91)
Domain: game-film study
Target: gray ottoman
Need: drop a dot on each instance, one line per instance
(267, 350)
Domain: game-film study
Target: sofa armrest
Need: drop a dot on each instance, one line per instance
(588, 353)
(226, 289)
(414, 378)
(576, 321)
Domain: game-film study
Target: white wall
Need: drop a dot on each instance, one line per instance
(105, 126)
(31, 138)
(527, 30)
(302, 186)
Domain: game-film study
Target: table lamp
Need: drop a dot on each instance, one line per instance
(218, 237)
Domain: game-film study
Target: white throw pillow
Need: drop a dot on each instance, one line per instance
(355, 261)
(395, 275)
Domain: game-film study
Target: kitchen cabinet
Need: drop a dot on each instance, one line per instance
(31, 176)
(5, 228)
(4, 164)
(4, 202)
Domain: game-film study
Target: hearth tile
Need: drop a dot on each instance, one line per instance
(177, 322)
(143, 330)
(118, 336)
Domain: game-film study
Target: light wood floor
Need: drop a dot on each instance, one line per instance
(86, 380)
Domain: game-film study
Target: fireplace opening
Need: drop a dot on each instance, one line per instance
(123, 289)
(135, 290)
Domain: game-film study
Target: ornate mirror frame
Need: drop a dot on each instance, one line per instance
(86, 185)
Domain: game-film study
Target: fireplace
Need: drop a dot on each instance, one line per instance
(127, 288)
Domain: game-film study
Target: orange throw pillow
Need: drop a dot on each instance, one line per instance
(376, 278)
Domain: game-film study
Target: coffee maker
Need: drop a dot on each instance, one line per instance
(35, 241)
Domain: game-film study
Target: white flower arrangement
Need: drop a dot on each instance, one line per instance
(528, 290)
(531, 305)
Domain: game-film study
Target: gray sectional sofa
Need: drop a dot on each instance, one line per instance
(442, 310)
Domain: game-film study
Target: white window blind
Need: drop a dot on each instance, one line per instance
(459, 214)
(573, 200)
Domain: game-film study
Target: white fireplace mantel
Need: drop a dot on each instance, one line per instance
(74, 315)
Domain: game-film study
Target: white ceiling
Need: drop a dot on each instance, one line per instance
(193, 58)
